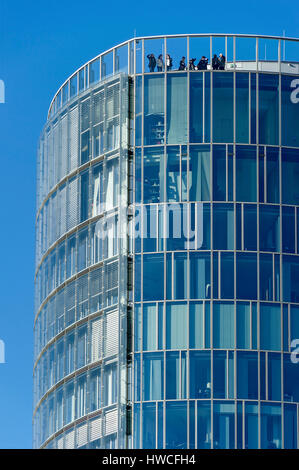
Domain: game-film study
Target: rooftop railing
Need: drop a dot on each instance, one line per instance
(241, 52)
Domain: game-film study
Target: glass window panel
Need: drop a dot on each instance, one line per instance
(247, 375)
(153, 175)
(219, 172)
(294, 317)
(270, 426)
(266, 277)
(245, 49)
(290, 426)
(154, 110)
(95, 390)
(138, 55)
(272, 175)
(223, 107)
(153, 376)
(242, 108)
(227, 275)
(289, 111)
(200, 276)
(203, 425)
(219, 374)
(243, 325)
(172, 375)
(288, 229)
(224, 425)
(251, 426)
(270, 330)
(148, 425)
(200, 374)
(246, 276)
(177, 49)
(94, 71)
(74, 85)
(176, 425)
(149, 228)
(199, 46)
(218, 47)
(173, 186)
(250, 227)
(176, 326)
(153, 277)
(154, 55)
(196, 107)
(290, 175)
(223, 226)
(196, 325)
(199, 173)
(176, 109)
(121, 59)
(223, 325)
(149, 327)
(290, 271)
(268, 109)
(246, 164)
(253, 108)
(290, 379)
(269, 227)
(274, 376)
(107, 65)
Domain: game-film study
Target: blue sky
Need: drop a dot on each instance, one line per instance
(41, 44)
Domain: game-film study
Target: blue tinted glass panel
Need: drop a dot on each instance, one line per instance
(246, 163)
(219, 374)
(253, 108)
(203, 425)
(148, 425)
(176, 326)
(227, 276)
(247, 375)
(289, 111)
(199, 173)
(268, 109)
(224, 425)
(173, 185)
(200, 374)
(246, 276)
(223, 107)
(138, 110)
(154, 110)
(176, 425)
(290, 270)
(270, 426)
(223, 226)
(153, 376)
(290, 426)
(223, 325)
(243, 325)
(250, 227)
(207, 101)
(196, 107)
(200, 276)
(290, 379)
(269, 228)
(270, 329)
(242, 108)
(149, 327)
(153, 187)
(274, 376)
(290, 175)
(196, 326)
(153, 277)
(172, 375)
(266, 277)
(251, 426)
(219, 172)
(272, 174)
(288, 229)
(176, 109)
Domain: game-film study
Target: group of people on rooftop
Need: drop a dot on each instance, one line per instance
(218, 63)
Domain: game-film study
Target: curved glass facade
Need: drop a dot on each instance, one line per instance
(179, 334)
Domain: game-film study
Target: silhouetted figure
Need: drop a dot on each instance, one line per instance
(221, 61)
(203, 63)
(215, 62)
(191, 64)
(168, 62)
(151, 62)
(160, 63)
(182, 63)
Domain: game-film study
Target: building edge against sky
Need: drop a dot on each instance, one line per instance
(179, 334)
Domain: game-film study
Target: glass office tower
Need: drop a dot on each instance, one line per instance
(167, 249)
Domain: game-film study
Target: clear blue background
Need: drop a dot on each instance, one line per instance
(41, 44)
